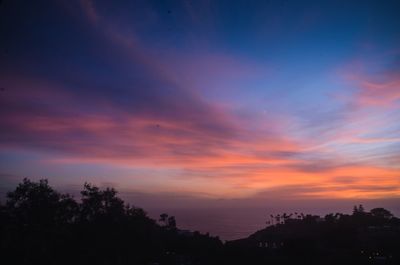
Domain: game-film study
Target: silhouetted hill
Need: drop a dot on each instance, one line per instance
(38, 225)
(361, 238)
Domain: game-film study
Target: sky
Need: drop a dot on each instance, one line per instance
(203, 103)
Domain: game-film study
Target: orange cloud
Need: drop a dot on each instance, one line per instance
(217, 159)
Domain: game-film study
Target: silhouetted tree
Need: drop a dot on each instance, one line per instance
(171, 222)
(164, 218)
(38, 204)
(381, 213)
(358, 210)
(100, 204)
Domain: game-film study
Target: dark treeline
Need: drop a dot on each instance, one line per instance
(39, 225)
(296, 238)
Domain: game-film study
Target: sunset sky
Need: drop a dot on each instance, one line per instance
(203, 100)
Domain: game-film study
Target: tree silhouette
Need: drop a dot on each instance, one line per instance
(38, 204)
(100, 204)
(164, 218)
(171, 222)
(381, 213)
(358, 210)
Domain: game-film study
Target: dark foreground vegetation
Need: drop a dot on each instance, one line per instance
(38, 225)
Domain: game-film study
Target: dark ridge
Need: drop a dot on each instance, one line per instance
(39, 225)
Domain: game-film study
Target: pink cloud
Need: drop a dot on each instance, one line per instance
(384, 94)
(374, 88)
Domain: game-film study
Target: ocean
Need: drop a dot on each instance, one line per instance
(235, 223)
(227, 224)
